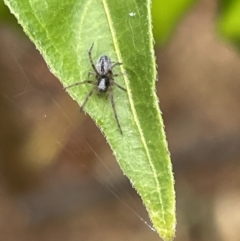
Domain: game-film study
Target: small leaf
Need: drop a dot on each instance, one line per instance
(63, 31)
(229, 20)
(166, 16)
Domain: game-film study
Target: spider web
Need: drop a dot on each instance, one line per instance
(78, 159)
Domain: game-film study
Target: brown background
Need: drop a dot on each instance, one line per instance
(58, 177)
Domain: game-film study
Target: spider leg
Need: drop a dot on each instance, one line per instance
(115, 75)
(90, 58)
(81, 82)
(119, 86)
(114, 110)
(115, 64)
(86, 99)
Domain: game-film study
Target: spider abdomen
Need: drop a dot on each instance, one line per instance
(103, 65)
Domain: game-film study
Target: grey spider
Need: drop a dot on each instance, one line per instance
(104, 80)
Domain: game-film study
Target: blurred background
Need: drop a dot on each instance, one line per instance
(59, 179)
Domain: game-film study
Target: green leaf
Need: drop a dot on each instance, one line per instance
(229, 20)
(63, 32)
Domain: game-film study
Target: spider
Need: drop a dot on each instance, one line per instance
(104, 80)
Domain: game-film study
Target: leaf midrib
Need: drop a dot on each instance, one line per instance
(136, 120)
